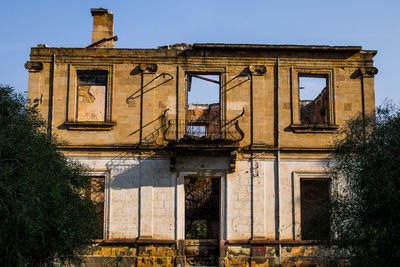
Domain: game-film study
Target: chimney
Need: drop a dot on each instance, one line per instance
(103, 28)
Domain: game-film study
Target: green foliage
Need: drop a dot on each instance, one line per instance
(366, 187)
(43, 216)
(196, 229)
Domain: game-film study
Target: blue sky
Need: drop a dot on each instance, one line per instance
(147, 24)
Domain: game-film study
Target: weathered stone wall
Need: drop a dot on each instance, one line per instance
(144, 169)
(164, 88)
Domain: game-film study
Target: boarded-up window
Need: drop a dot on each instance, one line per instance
(315, 219)
(96, 194)
(92, 89)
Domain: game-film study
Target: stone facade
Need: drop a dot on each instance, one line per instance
(124, 113)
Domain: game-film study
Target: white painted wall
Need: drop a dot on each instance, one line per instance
(146, 200)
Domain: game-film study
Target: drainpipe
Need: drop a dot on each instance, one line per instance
(177, 104)
(363, 101)
(141, 108)
(277, 182)
(51, 93)
(251, 112)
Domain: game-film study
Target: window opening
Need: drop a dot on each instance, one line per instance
(196, 130)
(203, 106)
(96, 194)
(92, 86)
(313, 100)
(315, 223)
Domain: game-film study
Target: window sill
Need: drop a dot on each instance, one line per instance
(313, 128)
(89, 125)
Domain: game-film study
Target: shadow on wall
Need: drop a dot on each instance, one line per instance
(140, 186)
(134, 172)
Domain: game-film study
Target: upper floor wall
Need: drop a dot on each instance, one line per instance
(125, 97)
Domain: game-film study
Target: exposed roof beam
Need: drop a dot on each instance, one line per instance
(204, 78)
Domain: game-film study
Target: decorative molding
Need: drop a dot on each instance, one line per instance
(271, 242)
(313, 128)
(137, 241)
(223, 242)
(106, 173)
(34, 66)
(257, 70)
(89, 125)
(368, 71)
(297, 175)
(148, 67)
(232, 161)
(329, 75)
(73, 85)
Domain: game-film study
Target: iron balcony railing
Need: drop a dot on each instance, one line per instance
(215, 131)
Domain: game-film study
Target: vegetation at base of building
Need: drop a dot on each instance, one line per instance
(366, 187)
(44, 217)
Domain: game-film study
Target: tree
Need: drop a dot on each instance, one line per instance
(44, 217)
(366, 187)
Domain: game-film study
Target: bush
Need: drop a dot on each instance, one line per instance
(44, 217)
(366, 187)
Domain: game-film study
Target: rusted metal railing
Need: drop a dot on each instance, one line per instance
(217, 130)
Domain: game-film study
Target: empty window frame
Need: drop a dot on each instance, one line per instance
(196, 130)
(203, 105)
(313, 99)
(96, 194)
(315, 218)
(92, 95)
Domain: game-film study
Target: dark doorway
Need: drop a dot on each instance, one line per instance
(202, 220)
(314, 210)
(96, 194)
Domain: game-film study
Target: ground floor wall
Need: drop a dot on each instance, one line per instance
(232, 255)
(259, 211)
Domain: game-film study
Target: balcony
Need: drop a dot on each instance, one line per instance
(216, 132)
(205, 133)
(203, 126)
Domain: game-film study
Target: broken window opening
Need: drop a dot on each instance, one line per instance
(96, 194)
(313, 100)
(92, 92)
(196, 130)
(202, 201)
(203, 106)
(315, 218)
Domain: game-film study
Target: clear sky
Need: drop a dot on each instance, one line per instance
(147, 24)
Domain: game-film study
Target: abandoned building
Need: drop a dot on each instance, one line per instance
(203, 154)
